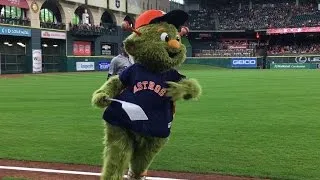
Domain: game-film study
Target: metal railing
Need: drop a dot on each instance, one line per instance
(93, 30)
(15, 21)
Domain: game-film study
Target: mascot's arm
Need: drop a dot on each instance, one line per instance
(184, 89)
(111, 88)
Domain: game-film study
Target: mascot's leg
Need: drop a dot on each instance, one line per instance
(145, 150)
(117, 152)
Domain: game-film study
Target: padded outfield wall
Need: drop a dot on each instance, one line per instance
(294, 62)
(98, 63)
(101, 63)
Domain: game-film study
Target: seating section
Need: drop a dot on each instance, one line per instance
(305, 16)
(257, 16)
(202, 20)
(224, 48)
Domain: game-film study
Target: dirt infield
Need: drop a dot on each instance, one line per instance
(39, 175)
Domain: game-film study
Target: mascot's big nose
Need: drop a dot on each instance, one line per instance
(174, 44)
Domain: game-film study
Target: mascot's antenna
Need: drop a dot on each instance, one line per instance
(126, 26)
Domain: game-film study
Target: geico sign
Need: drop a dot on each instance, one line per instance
(244, 62)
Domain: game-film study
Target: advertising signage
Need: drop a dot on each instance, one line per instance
(14, 31)
(82, 48)
(53, 35)
(244, 62)
(293, 30)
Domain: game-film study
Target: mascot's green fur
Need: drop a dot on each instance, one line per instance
(156, 47)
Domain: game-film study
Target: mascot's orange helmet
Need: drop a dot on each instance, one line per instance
(175, 17)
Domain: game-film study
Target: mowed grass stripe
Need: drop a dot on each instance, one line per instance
(248, 122)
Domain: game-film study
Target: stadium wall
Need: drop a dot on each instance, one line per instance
(102, 47)
(38, 37)
(98, 63)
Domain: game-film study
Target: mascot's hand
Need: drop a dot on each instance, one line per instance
(175, 90)
(185, 89)
(110, 89)
(99, 99)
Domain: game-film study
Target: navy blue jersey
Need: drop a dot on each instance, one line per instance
(146, 89)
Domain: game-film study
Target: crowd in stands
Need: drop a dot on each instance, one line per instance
(294, 49)
(305, 16)
(203, 19)
(224, 53)
(258, 15)
(276, 46)
(251, 50)
(233, 18)
(227, 48)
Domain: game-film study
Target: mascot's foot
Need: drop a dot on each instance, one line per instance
(131, 176)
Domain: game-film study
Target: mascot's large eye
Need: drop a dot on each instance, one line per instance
(164, 37)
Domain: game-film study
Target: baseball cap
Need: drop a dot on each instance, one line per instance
(174, 17)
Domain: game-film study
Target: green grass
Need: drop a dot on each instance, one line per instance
(248, 122)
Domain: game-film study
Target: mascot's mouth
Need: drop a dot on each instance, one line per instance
(173, 54)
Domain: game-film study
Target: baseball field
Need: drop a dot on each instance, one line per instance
(257, 123)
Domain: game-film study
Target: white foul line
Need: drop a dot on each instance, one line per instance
(70, 172)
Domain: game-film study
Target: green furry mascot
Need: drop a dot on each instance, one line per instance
(153, 84)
